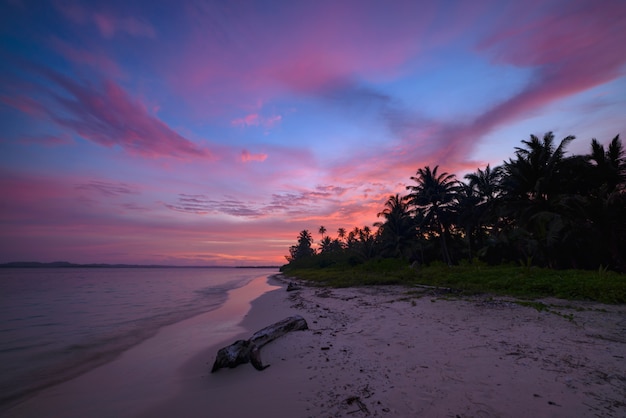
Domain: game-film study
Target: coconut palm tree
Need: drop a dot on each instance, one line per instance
(608, 167)
(303, 248)
(466, 208)
(486, 182)
(432, 200)
(534, 174)
(326, 245)
(397, 232)
(481, 201)
(607, 200)
(534, 187)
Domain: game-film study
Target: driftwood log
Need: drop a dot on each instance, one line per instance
(244, 351)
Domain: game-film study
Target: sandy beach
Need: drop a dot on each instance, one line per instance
(371, 351)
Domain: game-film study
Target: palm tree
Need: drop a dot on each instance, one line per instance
(534, 174)
(466, 207)
(485, 190)
(433, 198)
(366, 242)
(607, 203)
(326, 245)
(397, 231)
(352, 237)
(341, 233)
(303, 248)
(322, 231)
(534, 186)
(609, 167)
(486, 182)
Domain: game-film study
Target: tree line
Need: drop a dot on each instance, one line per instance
(540, 207)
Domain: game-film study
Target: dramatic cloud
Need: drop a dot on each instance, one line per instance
(300, 203)
(213, 132)
(106, 115)
(568, 52)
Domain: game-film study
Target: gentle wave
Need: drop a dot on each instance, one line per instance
(91, 317)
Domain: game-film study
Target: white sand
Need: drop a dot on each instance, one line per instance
(374, 351)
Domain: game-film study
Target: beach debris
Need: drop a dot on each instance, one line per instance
(249, 351)
(326, 293)
(359, 403)
(293, 286)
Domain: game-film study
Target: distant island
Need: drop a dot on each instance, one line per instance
(66, 264)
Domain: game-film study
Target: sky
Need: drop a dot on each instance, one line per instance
(213, 132)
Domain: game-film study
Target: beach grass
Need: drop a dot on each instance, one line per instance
(471, 278)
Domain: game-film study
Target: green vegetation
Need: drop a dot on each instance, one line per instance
(472, 278)
(541, 224)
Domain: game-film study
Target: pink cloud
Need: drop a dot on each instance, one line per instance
(338, 41)
(108, 24)
(568, 53)
(25, 104)
(296, 205)
(105, 114)
(105, 24)
(94, 59)
(47, 220)
(254, 119)
(246, 156)
(249, 120)
(272, 120)
(335, 42)
(235, 55)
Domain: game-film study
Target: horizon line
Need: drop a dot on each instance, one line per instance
(67, 264)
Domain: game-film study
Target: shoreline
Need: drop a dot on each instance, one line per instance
(245, 391)
(149, 371)
(397, 351)
(372, 351)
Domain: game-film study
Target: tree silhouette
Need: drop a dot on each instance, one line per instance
(478, 213)
(540, 206)
(533, 186)
(432, 198)
(607, 202)
(608, 167)
(341, 233)
(303, 248)
(534, 174)
(467, 217)
(397, 232)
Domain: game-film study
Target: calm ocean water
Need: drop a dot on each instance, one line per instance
(60, 322)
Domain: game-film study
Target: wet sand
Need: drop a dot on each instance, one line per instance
(150, 372)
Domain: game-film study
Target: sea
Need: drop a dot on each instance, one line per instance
(57, 323)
